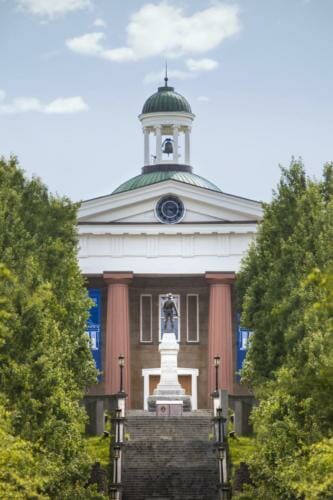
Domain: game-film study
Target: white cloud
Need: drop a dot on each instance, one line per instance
(201, 64)
(52, 8)
(203, 98)
(88, 44)
(61, 105)
(66, 105)
(164, 29)
(91, 44)
(24, 104)
(100, 23)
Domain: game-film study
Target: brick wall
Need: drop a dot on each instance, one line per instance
(191, 355)
(146, 355)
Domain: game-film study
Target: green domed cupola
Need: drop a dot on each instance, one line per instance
(166, 121)
(166, 100)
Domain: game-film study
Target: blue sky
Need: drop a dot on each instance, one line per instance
(75, 74)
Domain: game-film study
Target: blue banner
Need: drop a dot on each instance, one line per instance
(243, 336)
(94, 327)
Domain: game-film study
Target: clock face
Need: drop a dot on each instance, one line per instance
(170, 209)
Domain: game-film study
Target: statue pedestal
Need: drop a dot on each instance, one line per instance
(169, 389)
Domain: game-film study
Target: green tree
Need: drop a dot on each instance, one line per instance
(293, 422)
(294, 237)
(45, 360)
(286, 293)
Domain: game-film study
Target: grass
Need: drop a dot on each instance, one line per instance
(241, 448)
(98, 448)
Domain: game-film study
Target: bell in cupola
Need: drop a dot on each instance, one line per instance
(167, 147)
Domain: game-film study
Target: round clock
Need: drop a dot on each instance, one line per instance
(170, 209)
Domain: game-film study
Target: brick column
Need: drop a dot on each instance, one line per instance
(117, 332)
(220, 334)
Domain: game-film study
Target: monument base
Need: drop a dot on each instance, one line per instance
(167, 408)
(169, 390)
(169, 400)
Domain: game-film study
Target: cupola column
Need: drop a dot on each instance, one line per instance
(175, 144)
(187, 146)
(146, 146)
(158, 144)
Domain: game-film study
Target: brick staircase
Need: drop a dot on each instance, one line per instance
(169, 458)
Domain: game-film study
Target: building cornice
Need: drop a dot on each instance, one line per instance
(169, 229)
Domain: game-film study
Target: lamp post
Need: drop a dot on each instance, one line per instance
(224, 487)
(116, 455)
(217, 364)
(121, 362)
(113, 493)
(118, 420)
(219, 416)
(220, 454)
(223, 472)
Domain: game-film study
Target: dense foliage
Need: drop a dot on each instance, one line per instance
(286, 295)
(45, 361)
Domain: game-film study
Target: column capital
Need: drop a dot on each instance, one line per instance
(216, 278)
(118, 278)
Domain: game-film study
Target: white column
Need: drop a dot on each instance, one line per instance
(194, 385)
(158, 144)
(175, 145)
(187, 146)
(146, 147)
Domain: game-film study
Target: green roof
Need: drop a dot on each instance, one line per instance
(143, 180)
(166, 99)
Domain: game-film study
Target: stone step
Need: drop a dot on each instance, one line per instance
(193, 413)
(176, 484)
(185, 454)
(173, 428)
(170, 458)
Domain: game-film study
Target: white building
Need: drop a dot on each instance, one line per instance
(166, 230)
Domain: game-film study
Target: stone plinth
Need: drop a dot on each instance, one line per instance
(169, 389)
(169, 408)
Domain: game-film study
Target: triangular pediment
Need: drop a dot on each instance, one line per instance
(138, 206)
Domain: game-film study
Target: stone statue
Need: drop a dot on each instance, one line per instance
(169, 310)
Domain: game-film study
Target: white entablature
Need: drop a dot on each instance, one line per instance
(121, 231)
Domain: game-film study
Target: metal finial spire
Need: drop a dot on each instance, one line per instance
(166, 74)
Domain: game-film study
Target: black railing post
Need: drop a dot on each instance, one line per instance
(121, 362)
(217, 364)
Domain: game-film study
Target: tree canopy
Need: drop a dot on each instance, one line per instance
(286, 298)
(45, 360)
(294, 238)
